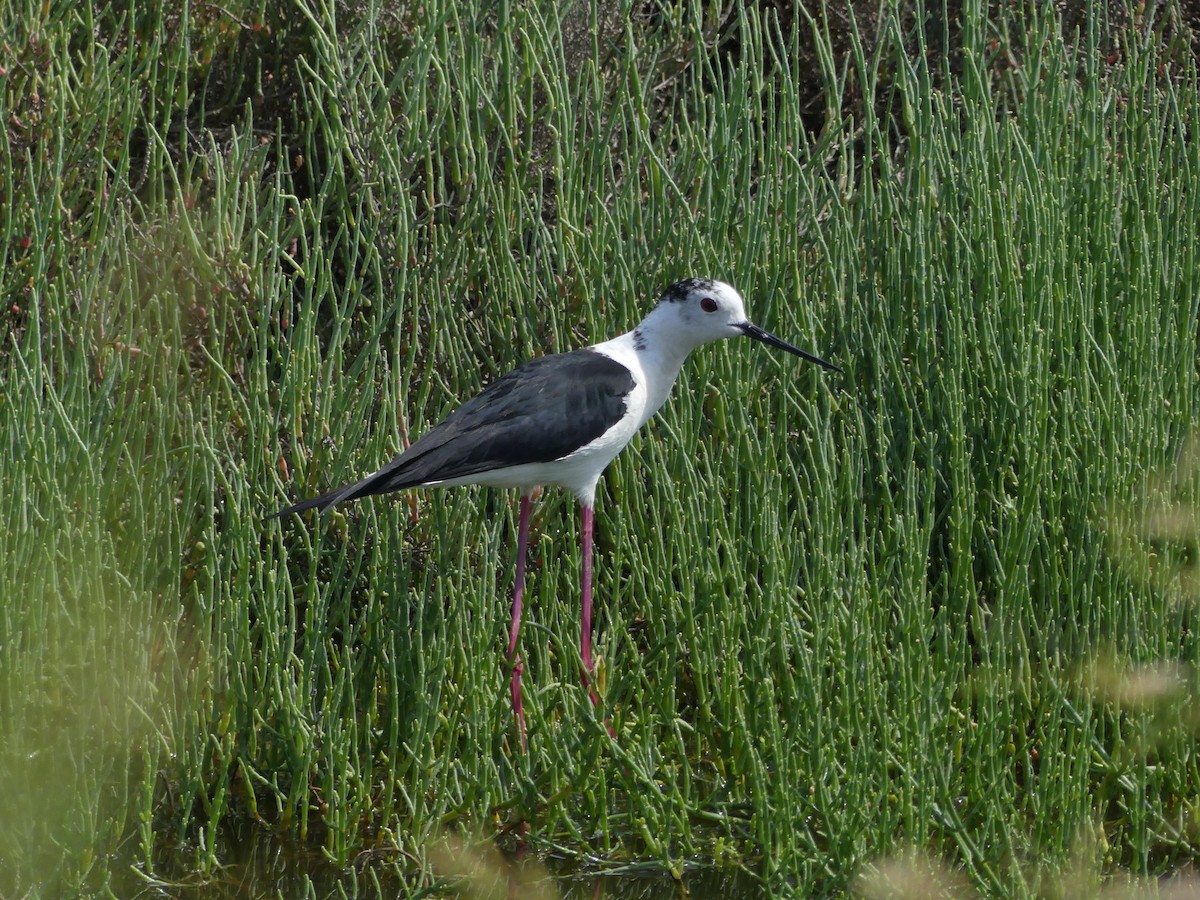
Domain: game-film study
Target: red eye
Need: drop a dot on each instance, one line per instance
(708, 304)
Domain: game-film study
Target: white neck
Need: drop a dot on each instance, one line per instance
(655, 354)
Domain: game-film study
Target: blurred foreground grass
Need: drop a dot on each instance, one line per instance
(247, 251)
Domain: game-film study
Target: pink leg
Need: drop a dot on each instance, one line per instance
(515, 629)
(585, 624)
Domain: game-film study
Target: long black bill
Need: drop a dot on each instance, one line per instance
(749, 329)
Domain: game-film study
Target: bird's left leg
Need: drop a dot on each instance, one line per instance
(585, 623)
(514, 630)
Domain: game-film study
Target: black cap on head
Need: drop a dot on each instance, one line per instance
(681, 290)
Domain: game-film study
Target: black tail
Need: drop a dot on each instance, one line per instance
(324, 501)
(378, 483)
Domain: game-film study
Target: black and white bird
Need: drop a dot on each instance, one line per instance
(561, 419)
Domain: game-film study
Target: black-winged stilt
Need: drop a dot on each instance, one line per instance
(561, 419)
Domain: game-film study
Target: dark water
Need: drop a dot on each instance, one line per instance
(257, 864)
(701, 884)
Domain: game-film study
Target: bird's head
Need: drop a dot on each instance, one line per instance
(695, 311)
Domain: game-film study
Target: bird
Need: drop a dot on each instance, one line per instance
(560, 420)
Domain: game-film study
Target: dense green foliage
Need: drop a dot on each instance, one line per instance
(942, 601)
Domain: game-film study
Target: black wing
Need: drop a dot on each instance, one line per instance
(541, 411)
